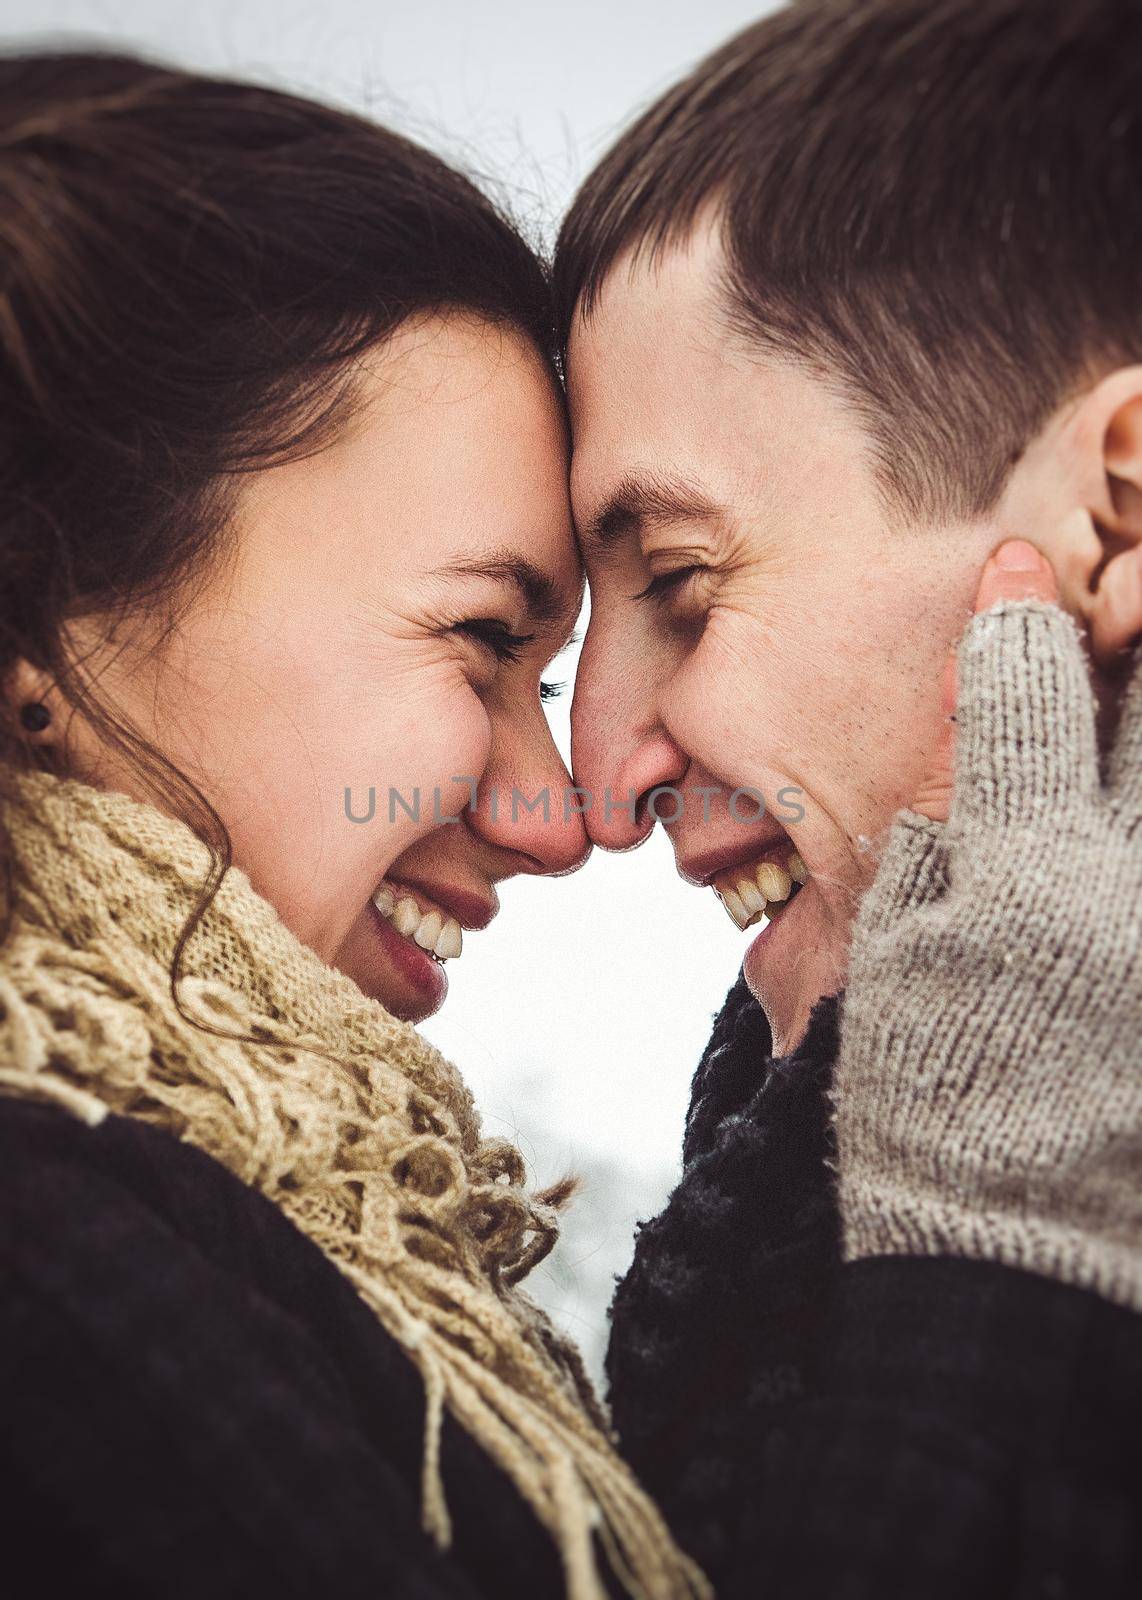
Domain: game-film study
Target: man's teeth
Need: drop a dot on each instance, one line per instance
(735, 907)
(773, 881)
(753, 891)
(751, 897)
(431, 930)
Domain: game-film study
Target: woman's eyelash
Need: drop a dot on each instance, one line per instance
(506, 646)
(497, 636)
(665, 583)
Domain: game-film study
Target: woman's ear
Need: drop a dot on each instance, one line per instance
(27, 686)
(1108, 430)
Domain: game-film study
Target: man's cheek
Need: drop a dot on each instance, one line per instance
(714, 720)
(719, 700)
(908, 738)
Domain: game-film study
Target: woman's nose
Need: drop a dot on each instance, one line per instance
(529, 805)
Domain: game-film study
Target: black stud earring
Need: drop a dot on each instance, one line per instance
(35, 716)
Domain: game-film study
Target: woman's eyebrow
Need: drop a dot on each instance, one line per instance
(542, 596)
(641, 498)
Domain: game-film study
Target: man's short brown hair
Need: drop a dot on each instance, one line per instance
(936, 203)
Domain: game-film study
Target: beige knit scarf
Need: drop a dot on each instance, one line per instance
(377, 1156)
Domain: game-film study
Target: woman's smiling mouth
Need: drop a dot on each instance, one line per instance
(434, 920)
(419, 932)
(437, 934)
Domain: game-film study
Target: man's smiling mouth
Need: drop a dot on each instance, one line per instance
(759, 888)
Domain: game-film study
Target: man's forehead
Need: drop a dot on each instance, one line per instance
(671, 401)
(666, 454)
(651, 300)
(652, 375)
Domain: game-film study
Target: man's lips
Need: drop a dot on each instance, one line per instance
(703, 867)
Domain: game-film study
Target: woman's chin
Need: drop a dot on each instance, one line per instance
(409, 1009)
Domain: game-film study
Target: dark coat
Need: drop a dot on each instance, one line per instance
(194, 1402)
(889, 1427)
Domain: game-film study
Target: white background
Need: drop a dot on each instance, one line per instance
(579, 1016)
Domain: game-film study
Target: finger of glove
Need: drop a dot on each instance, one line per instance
(1124, 769)
(1026, 745)
(912, 871)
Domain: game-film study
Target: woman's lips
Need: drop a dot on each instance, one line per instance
(420, 970)
(421, 929)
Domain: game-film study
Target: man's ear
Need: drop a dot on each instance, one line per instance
(1105, 555)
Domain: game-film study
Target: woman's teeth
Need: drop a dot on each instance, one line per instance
(749, 891)
(431, 930)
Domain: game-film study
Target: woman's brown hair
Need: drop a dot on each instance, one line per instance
(190, 269)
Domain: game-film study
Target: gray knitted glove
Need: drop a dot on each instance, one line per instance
(988, 1093)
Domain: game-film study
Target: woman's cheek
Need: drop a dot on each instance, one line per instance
(458, 749)
(434, 752)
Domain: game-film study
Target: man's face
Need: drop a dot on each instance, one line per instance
(803, 653)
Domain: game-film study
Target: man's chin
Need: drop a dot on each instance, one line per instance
(789, 970)
(788, 1023)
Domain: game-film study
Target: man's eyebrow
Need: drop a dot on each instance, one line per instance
(639, 499)
(542, 596)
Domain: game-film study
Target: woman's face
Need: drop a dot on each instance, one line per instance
(379, 629)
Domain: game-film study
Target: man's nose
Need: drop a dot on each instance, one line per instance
(618, 788)
(620, 751)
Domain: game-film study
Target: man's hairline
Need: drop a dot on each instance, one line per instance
(647, 250)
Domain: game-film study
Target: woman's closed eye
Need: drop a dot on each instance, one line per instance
(495, 634)
(505, 645)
